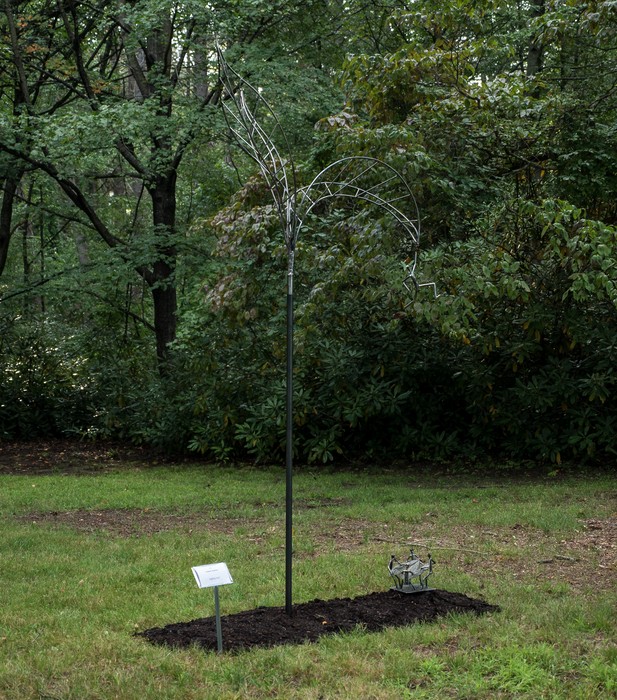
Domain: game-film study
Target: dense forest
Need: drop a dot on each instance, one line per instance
(143, 266)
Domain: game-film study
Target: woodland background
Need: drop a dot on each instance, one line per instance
(142, 266)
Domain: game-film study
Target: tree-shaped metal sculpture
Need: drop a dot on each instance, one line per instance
(254, 127)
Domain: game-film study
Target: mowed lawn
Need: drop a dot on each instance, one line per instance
(91, 555)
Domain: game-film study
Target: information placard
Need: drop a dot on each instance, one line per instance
(210, 575)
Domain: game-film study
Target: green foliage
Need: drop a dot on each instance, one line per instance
(360, 382)
(501, 117)
(43, 390)
(527, 305)
(535, 324)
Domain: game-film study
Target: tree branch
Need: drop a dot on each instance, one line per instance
(19, 66)
(74, 40)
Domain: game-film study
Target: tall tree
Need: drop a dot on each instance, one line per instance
(107, 98)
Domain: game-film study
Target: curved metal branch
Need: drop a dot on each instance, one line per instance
(241, 106)
(368, 179)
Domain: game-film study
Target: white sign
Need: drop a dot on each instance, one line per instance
(211, 575)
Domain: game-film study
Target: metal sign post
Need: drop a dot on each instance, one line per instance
(213, 576)
(217, 614)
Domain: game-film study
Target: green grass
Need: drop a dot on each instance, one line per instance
(71, 599)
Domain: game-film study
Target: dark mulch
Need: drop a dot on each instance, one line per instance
(267, 627)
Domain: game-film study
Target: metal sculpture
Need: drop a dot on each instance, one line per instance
(254, 127)
(406, 571)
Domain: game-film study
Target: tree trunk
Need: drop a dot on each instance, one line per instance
(83, 253)
(165, 307)
(9, 191)
(162, 281)
(536, 47)
(35, 304)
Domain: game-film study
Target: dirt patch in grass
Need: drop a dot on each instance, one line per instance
(139, 523)
(326, 502)
(589, 558)
(267, 627)
(586, 560)
(339, 535)
(68, 457)
(596, 549)
(346, 534)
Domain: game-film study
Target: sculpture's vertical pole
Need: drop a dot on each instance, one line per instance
(289, 443)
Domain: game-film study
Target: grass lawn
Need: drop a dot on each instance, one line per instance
(91, 556)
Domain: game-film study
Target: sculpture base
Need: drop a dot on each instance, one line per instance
(410, 588)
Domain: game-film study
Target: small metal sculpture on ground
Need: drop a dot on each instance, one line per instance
(404, 572)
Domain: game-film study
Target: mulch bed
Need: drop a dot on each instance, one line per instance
(267, 627)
